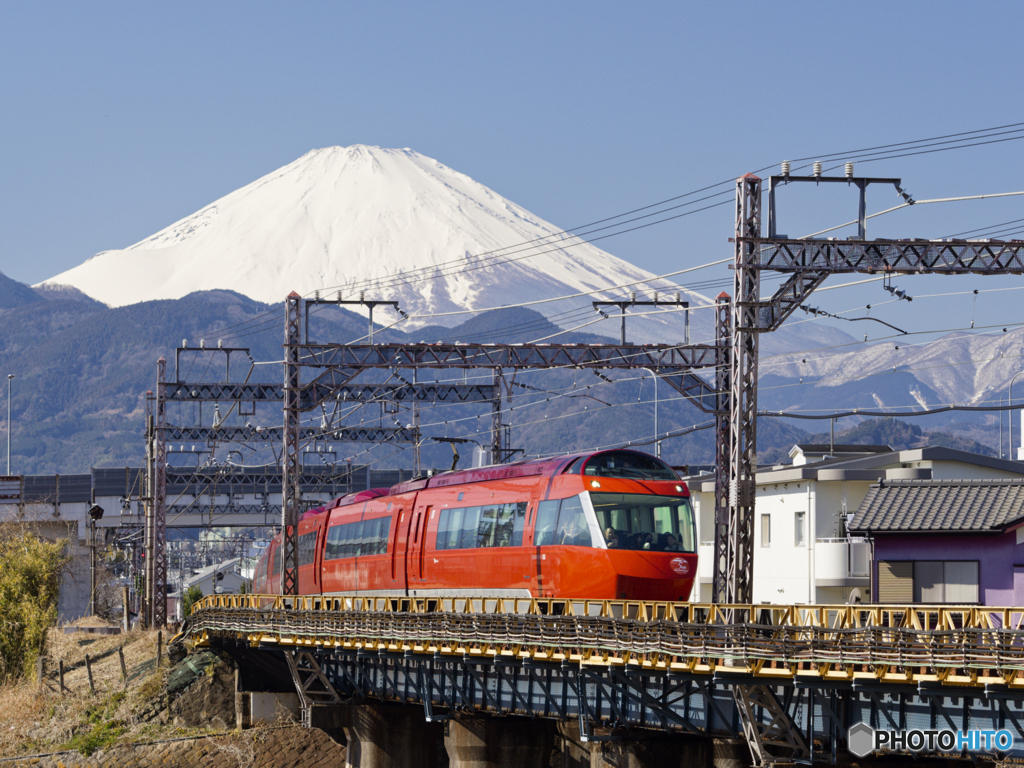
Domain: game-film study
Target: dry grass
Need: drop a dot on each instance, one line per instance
(42, 720)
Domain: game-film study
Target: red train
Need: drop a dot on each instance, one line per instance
(613, 524)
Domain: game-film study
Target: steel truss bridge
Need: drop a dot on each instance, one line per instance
(671, 667)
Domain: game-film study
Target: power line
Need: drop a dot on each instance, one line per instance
(906, 143)
(867, 152)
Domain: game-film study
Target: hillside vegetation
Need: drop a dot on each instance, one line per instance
(83, 370)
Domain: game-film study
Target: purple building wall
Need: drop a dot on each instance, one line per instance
(1000, 560)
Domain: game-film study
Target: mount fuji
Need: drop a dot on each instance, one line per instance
(390, 224)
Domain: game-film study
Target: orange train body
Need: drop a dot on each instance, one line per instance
(612, 524)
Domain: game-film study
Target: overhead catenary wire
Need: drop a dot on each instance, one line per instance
(476, 310)
(916, 202)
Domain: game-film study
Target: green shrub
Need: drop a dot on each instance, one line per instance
(30, 573)
(191, 596)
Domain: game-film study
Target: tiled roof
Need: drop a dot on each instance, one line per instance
(835, 448)
(940, 505)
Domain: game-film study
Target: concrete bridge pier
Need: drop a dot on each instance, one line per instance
(649, 752)
(499, 742)
(390, 736)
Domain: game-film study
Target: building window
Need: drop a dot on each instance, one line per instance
(928, 581)
(949, 581)
(798, 528)
(766, 530)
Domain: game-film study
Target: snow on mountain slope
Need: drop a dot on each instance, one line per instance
(391, 222)
(960, 368)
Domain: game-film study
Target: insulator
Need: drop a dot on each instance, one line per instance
(655, 297)
(817, 167)
(632, 295)
(220, 343)
(184, 343)
(202, 343)
(785, 167)
(362, 294)
(316, 295)
(339, 295)
(849, 170)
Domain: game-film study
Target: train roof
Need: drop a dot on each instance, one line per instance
(545, 467)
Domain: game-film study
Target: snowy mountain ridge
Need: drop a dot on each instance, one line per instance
(393, 223)
(965, 368)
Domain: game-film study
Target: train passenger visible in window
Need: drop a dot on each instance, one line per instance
(574, 532)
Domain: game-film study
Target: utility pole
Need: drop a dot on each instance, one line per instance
(9, 377)
(95, 514)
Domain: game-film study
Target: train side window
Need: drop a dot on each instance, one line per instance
(348, 545)
(455, 528)
(518, 522)
(363, 542)
(442, 529)
(277, 560)
(307, 546)
(383, 534)
(485, 531)
(354, 535)
(468, 532)
(686, 531)
(546, 523)
(503, 527)
(575, 467)
(572, 524)
(332, 551)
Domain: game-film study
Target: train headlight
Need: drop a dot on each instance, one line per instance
(594, 484)
(679, 488)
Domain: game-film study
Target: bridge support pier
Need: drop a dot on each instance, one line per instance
(383, 736)
(731, 753)
(499, 742)
(654, 752)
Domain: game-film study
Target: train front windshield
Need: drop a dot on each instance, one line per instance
(642, 522)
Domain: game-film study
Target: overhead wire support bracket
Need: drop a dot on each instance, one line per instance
(361, 301)
(632, 302)
(861, 182)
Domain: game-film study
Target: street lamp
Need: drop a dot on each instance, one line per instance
(657, 434)
(9, 377)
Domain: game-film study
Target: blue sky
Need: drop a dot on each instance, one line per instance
(120, 118)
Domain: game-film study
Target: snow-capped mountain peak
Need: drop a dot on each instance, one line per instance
(391, 222)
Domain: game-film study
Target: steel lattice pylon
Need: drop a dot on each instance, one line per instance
(723, 377)
(291, 459)
(743, 395)
(157, 586)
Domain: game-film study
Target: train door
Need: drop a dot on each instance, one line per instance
(414, 553)
(396, 547)
(317, 554)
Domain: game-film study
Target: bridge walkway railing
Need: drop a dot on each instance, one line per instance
(973, 646)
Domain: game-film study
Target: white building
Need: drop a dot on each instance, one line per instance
(226, 578)
(802, 553)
